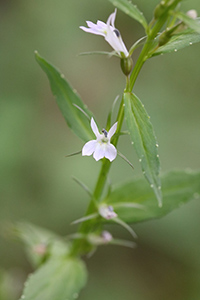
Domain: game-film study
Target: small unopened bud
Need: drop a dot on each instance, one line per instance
(159, 10)
(126, 65)
(107, 212)
(104, 238)
(192, 14)
(164, 38)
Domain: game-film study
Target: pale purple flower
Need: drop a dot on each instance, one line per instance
(102, 239)
(109, 32)
(101, 147)
(107, 212)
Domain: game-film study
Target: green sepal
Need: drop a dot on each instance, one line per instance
(144, 141)
(178, 187)
(72, 108)
(60, 278)
(128, 8)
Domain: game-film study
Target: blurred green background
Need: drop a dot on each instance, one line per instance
(35, 176)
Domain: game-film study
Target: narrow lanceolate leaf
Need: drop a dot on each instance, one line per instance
(179, 41)
(178, 187)
(191, 23)
(144, 140)
(56, 280)
(73, 109)
(128, 8)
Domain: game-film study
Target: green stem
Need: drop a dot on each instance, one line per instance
(148, 45)
(81, 246)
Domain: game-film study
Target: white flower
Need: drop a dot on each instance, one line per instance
(109, 32)
(101, 147)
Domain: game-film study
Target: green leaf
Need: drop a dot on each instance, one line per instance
(58, 279)
(128, 8)
(191, 23)
(71, 106)
(179, 41)
(178, 187)
(40, 244)
(144, 140)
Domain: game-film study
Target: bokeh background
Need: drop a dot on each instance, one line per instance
(36, 178)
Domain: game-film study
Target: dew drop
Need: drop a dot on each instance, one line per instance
(140, 160)
(151, 185)
(132, 143)
(159, 187)
(190, 43)
(124, 104)
(75, 91)
(75, 296)
(157, 145)
(62, 75)
(175, 50)
(22, 297)
(157, 155)
(142, 105)
(144, 172)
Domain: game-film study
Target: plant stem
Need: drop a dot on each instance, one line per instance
(81, 246)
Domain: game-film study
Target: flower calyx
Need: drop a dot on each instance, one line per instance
(126, 65)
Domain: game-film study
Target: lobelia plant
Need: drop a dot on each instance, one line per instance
(61, 273)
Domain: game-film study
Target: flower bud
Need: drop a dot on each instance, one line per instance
(164, 38)
(159, 10)
(192, 13)
(126, 65)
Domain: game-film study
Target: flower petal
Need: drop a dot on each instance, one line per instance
(116, 42)
(112, 38)
(89, 148)
(111, 19)
(99, 152)
(101, 25)
(112, 130)
(92, 30)
(111, 152)
(94, 127)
